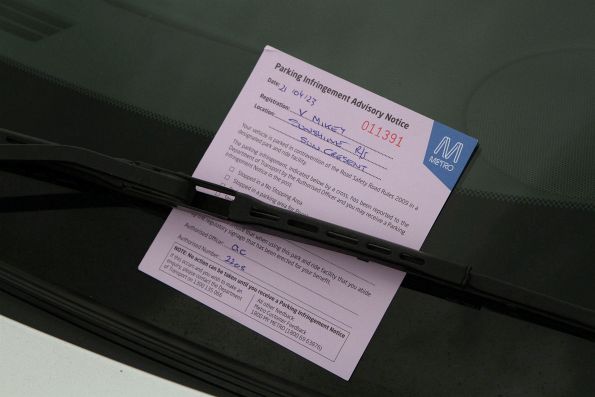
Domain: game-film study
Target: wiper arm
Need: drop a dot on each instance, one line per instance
(427, 274)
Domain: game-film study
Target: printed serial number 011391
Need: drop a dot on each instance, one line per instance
(382, 133)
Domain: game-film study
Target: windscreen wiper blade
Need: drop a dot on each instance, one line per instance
(425, 273)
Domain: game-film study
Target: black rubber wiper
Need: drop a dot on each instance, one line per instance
(427, 274)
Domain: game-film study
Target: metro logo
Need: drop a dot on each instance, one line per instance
(447, 152)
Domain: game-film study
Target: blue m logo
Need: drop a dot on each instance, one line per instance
(448, 151)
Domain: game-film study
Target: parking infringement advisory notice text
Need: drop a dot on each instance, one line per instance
(310, 142)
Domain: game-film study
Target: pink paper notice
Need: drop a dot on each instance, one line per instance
(305, 140)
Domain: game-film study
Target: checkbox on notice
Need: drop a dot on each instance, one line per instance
(226, 177)
(231, 169)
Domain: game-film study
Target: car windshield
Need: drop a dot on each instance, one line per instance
(153, 80)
